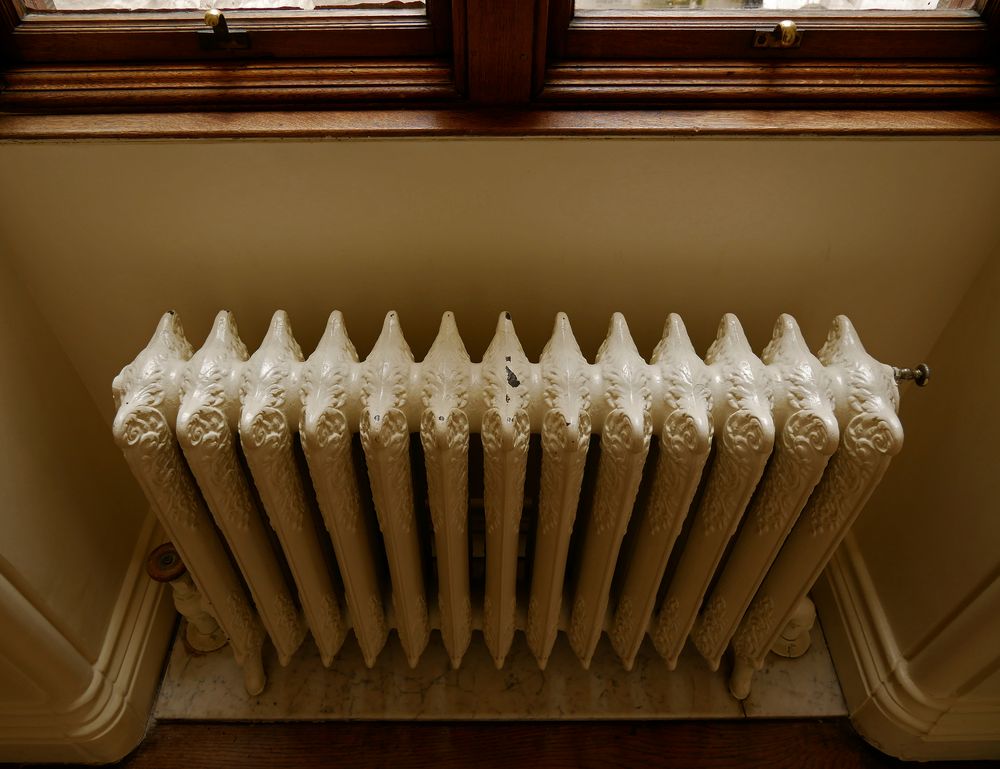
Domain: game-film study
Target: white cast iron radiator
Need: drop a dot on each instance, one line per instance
(777, 453)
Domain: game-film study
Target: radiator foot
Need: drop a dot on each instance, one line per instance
(204, 642)
(253, 673)
(741, 679)
(794, 640)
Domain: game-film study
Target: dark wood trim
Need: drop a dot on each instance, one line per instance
(439, 17)
(199, 85)
(744, 743)
(500, 49)
(11, 13)
(560, 16)
(58, 37)
(769, 83)
(701, 35)
(460, 45)
(539, 58)
(501, 123)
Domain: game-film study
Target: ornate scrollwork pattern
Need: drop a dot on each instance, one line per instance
(756, 627)
(667, 627)
(150, 447)
(706, 633)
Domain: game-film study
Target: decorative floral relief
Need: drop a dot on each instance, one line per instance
(709, 628)
(505, 370)
(324, 387)
(445, 370)
(869, 442)
(622, 629)
(268, 445)
(622, 443)
(578, 626)
(626, 382)
(376, 616)
(385, 374)
(331, 631)
(267, 380)
(330, 431)
(414, 628)
(148, 380)
(241, 626)
(750, 641)
(745, 446)
(565, 372)
(504, 495)
(388, 450)
(327, 372)
(744, 378)
(498, 631)
(564, 452)
(489, 623)
(331, 467)
(211, 451)
(287, 615)
(149, 444)
(684, 446)
(667, 627)
(535, 630)
(447, 462)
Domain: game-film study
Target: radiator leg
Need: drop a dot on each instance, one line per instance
(742, 677)
(795, 640)
(202, 633)
(254, 679)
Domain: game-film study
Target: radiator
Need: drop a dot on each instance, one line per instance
(693, 500)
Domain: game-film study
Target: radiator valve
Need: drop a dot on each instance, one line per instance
(203, 633)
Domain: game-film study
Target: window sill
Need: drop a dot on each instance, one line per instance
(424, 123)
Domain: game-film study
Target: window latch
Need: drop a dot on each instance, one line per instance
(784, 35)
(220, 36)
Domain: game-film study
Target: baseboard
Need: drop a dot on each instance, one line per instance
(110, 717)
(886, 706)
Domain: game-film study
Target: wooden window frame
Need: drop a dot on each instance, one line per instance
(697, 58)
(472, 55)
(120, 62)
(45, 37)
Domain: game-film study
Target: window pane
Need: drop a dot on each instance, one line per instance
(776, 5)
(222, 5)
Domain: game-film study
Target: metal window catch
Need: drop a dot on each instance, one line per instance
(220, 36)
(784, 35)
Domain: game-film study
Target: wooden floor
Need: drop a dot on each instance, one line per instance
(764, 744)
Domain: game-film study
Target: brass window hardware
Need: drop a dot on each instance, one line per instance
(784, 35)
(220, 36)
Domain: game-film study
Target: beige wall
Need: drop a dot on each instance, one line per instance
(930, 537)
(107, 236)
(70, 511)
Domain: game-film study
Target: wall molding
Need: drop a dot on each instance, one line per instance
(109, 718)
(886, 705)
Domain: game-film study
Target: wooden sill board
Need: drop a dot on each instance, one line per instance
(497, 123)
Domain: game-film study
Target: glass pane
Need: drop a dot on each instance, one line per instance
(222, 5)
(776, 5)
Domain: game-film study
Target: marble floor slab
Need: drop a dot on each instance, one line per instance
(210, 686)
